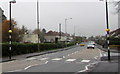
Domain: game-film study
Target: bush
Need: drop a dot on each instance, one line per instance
(114, 41)
(19, 48)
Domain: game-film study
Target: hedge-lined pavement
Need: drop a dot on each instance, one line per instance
(18, 49)
(23, 56)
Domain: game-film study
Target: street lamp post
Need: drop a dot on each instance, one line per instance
(107, 30)
(10, 31)
(66, 29)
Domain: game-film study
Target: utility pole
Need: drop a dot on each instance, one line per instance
(74, 35)
(66, 30)
(38, 23)
(60, 30)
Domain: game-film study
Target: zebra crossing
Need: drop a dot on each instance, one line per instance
(59, 59)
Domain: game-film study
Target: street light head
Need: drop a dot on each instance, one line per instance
(70, 18)
(12, 1)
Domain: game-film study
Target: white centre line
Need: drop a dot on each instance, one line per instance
(85, 61)
(70, 60)
(57, 59)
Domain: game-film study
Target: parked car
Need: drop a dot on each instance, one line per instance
(90, 46)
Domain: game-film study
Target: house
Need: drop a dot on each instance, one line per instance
(30, 38)
(2, 18)
(51, 36)
(115, 33)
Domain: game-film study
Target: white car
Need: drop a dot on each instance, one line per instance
(90, 46)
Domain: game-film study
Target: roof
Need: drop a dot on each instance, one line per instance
(54, 33)
(115, 32)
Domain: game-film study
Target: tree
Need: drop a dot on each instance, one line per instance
(23, 30)
(5, 29)
(41, 34)
(36, 31)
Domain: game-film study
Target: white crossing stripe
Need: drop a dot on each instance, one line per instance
(70, 60)
(105, 55)
(85, 61)
(56, 59)
(31, 58)
(43, 58)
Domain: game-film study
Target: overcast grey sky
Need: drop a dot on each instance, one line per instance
(88, 16)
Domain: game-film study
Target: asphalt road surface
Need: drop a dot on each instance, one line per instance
(76, 60)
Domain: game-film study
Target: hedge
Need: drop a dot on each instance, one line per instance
(18, 48)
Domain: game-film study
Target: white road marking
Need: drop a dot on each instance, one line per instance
(46, 62)
(68, 55)
(105, 55)
(85, 61)
(31, 58)
(63, 56)
(70, 60)
(100, 53)
(86, 67)
(27, 67)
(15, 70)
(43, 59)
(34, 65)
(96, 57)
(57, 59)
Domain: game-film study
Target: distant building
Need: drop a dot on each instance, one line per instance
(52, 35)
(30, 38)
(115, 33)
(2, 18)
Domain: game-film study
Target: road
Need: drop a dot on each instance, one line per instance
(76, 60)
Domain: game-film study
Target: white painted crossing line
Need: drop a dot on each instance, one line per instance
(43, 58)
(57, 59)
(85, 61)
(31, 59)
(105, 55)
(70, 60)
(63, 56)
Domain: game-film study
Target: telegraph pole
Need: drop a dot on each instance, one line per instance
(60, 30)
(38, 23)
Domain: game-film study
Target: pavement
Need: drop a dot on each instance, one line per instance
(105, 66)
